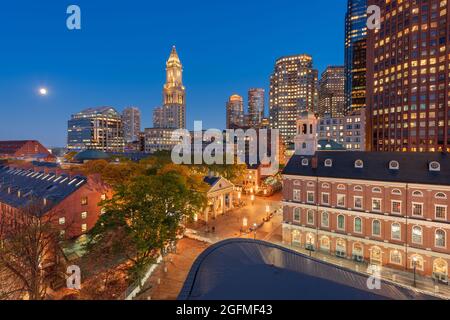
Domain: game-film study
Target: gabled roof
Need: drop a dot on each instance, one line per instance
(211, 180)
(413, 167)
(36, 186)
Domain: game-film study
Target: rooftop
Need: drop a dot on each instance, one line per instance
(242, 269)
(410, 167)
(20, 187)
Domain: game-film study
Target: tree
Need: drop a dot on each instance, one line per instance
(29, 252)
(144, 217)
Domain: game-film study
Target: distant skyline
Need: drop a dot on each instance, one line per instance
(118, 58)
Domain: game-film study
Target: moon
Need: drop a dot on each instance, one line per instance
(43, 91)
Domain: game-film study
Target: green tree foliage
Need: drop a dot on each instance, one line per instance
(145, 215)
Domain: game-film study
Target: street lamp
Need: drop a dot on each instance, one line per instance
(415, 260)
(254, 230)
(267, 211)
(244, 224)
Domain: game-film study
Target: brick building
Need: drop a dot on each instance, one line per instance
(25, 150)
(388, 209)
(71, 200)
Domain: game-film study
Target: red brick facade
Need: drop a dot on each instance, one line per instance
(78, 212)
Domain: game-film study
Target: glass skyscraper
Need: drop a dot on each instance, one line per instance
(355, 54)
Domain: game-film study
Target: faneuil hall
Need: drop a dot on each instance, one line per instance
(387, 209)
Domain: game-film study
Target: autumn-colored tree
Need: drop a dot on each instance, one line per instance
(29, 253)
(144, 216)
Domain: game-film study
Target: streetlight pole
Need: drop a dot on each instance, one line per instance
(415, 269)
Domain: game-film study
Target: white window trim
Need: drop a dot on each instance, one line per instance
(392, 232)
(435, 212)
(412, 209)
(337, 222)
(337, 200)
(381, 205)
(314, 197)
(314, 218)
(293, 215)
(362, 202)
(412, 235)
(362, 225)
(435, 240)
(381, 231)
(396, 263)
(321, 200)
(321, 219)
(392, 206)
(294, 193)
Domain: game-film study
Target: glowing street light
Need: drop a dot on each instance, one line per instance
(253, 199)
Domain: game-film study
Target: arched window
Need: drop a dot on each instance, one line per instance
(418, 194)
(311, 184)
(397, 192)
(417, 235)
(341, 222)
(394, 165)
(441, 239)
(297, 214)
(440, 267)
(441, 196)
(396, 257)
(396, 231)
(341, 187)
(359, 164)
(304, 129)
(376, 190)
(310, 217)
(435, 166)
(376, 228)
(358, 225)
(358, 249)
(325, 243)
(417, 261)
(325, 219)
(325, 186)
(341, 245)
(358, 189)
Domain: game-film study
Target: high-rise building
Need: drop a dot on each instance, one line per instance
(331, 92)
(408, 77)
(131, 121)
(355, 55)
(96, 128)
(235, 112)
(256, 107)
(172, 115)
(293, 89)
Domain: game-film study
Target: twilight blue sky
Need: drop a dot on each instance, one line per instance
(118, 58)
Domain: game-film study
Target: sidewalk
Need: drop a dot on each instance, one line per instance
(404, 278)
(229, 226)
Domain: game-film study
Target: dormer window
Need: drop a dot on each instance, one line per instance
(435, 166)
(305, 162)
(394, 165)
(328, 163)
(359, 164)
